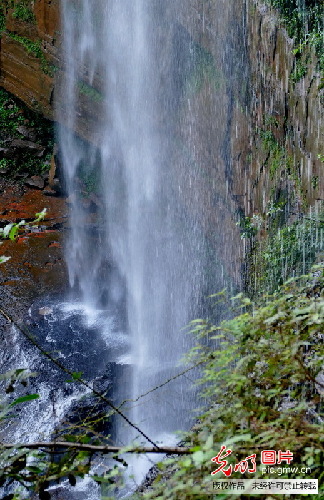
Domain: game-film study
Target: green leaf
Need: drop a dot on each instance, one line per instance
(13, 232)
(40, 215)
(209, 443)
(198, 457)
(236, 439)
(3, 259)
(23, 399)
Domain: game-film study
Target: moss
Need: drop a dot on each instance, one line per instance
(279, 161)
(23, 11)
(202, 70)
(34, 47)
(90, 92)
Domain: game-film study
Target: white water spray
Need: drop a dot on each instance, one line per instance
(133, 62)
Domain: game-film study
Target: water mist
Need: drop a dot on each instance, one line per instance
(147, 257)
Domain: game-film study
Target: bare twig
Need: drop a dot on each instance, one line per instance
(100, 449)
(81, 381)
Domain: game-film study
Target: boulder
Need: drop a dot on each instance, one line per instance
(35, 181)
(27, 132)
(25, 146)
(45, 311)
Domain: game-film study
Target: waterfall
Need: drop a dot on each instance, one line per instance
(148, 256)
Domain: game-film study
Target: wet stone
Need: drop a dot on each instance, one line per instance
(28, 146)
(45, 311)
(35, 181)
(27, 132)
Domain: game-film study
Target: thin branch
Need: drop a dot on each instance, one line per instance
(308, 375)
(163, 384)
(100, 449)
(81, 381)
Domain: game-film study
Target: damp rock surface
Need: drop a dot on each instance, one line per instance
(36, 264)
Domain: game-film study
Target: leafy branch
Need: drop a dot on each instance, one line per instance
(263, 380)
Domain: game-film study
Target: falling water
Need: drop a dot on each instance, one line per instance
(150, 255)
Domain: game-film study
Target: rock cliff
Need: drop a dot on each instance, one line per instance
(272, 104)
(31, 61)
(277, 144)
(28, 55)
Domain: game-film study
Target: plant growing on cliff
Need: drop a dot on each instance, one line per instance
(263, 382)
(90, 92)
(285, 250)
(304, 22)
(12, 230)
(16, 118)
(23, 11)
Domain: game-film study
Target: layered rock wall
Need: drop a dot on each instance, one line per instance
(28, 55)
(274, 119)
(32, 63)
(277, 144)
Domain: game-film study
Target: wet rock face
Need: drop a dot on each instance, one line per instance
(267, 98)
(28, 54)
(36, 265)
(277, 141)
(32, 67)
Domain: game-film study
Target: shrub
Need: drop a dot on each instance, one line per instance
(263, 384)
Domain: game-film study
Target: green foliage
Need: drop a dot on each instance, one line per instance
(10, 115)
(13, 114)
(277, 155)
(90, 92)
(290, 251)
(2, 22)
(304, 22)
(271, 121)
(287, 249)
(13, 461)
(249, 226)
(278, 161)
(300, 70)
(270, 221)
(32, 47)
(23, 11)
(262, 384)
